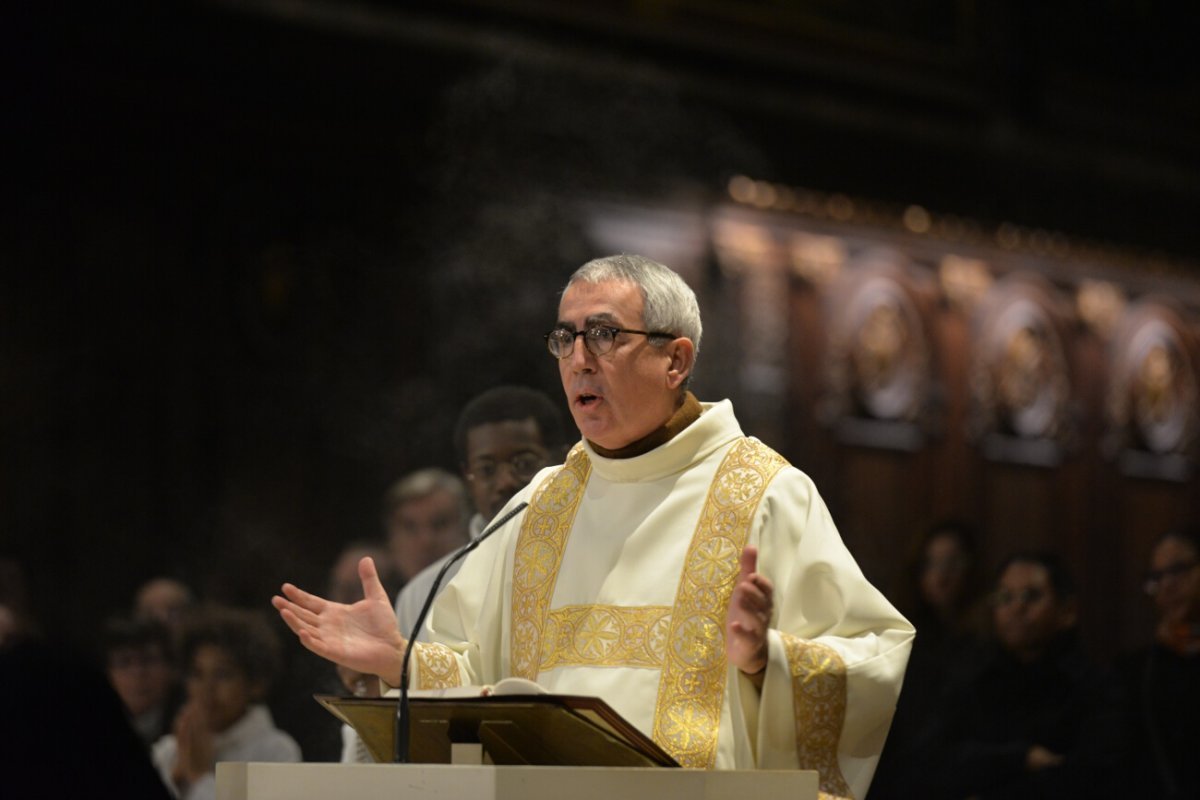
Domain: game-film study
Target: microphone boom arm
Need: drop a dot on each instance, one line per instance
(401, 750)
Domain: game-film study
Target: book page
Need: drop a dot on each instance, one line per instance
(451, 691)
(515, 686)
(507, 686)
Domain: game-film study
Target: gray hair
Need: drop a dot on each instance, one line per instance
(423, 483)
(668, 303)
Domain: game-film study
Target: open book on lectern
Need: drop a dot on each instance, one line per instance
(516, 721)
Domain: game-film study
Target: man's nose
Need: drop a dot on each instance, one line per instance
(581, 357)
(507, 481)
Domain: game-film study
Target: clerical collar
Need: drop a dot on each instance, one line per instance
(687, 413)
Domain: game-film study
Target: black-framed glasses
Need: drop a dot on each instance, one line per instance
(1155, 577)
(599, 339)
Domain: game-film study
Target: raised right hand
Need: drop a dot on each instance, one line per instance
(362, 636)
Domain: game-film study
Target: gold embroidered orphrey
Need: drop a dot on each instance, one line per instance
(538, 556)
(687, 716)
(687, 642)
(819, 702)
(437, 667)
(603, 636)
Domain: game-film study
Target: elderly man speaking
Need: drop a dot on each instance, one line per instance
(673, 566)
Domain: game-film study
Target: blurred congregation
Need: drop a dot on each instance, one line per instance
(276, 281)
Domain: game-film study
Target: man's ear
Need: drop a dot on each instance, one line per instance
(682, 354)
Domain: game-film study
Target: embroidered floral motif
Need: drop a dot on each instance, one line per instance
(436, 666)
(687, 714)
(538, 556)
(819, 700)
(604, 636)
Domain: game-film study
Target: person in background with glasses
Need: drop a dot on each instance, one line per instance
(1035, 717)
(678, 569)
(1162, 680)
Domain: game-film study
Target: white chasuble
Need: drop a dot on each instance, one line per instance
(615, 581)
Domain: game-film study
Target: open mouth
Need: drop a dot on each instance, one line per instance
(587, 400)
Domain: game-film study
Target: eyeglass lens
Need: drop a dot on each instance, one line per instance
(598, 340)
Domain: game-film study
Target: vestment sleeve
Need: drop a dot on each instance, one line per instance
(837, 647)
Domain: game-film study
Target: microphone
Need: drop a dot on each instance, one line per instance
(401, 738)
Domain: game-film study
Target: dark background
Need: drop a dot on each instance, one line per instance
(256, 255)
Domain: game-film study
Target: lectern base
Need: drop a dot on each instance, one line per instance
(241, 781)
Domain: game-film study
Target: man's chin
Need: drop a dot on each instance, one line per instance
(589, 425)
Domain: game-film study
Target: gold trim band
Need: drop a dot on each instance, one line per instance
(437, 668)
(687, 715)
(605, 636)
(819, 700)
(538, 556)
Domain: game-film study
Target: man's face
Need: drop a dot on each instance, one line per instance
(501, 458)
(627, 393)
(1177, 588)
(423, 530)
(1028, 614)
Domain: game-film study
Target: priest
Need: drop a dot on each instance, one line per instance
(673, 566)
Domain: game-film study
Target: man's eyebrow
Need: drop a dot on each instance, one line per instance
(594, 319)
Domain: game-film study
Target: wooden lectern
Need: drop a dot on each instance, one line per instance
(240, 781)
(509, 747)
(529, 729)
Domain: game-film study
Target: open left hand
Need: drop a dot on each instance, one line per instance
(749, 616)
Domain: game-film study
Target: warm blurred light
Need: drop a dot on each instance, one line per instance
(764, 194)
(964, 280)
(786, 198)
(1100, 305)
(916, 219)
(1008, 236)
(840, 207)
(1039, 242)
(1060, 245)
(951, 227)
(741, 189)
(741, 246)
(817, 259)
(807, 202)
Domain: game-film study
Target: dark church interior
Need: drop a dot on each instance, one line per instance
(259, 253)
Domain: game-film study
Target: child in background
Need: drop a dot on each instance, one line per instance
(229, 659)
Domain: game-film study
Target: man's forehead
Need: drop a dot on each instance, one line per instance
(438, 496)
(1170, 550)
(511, 433)
(1022, 572)
(600, 302)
